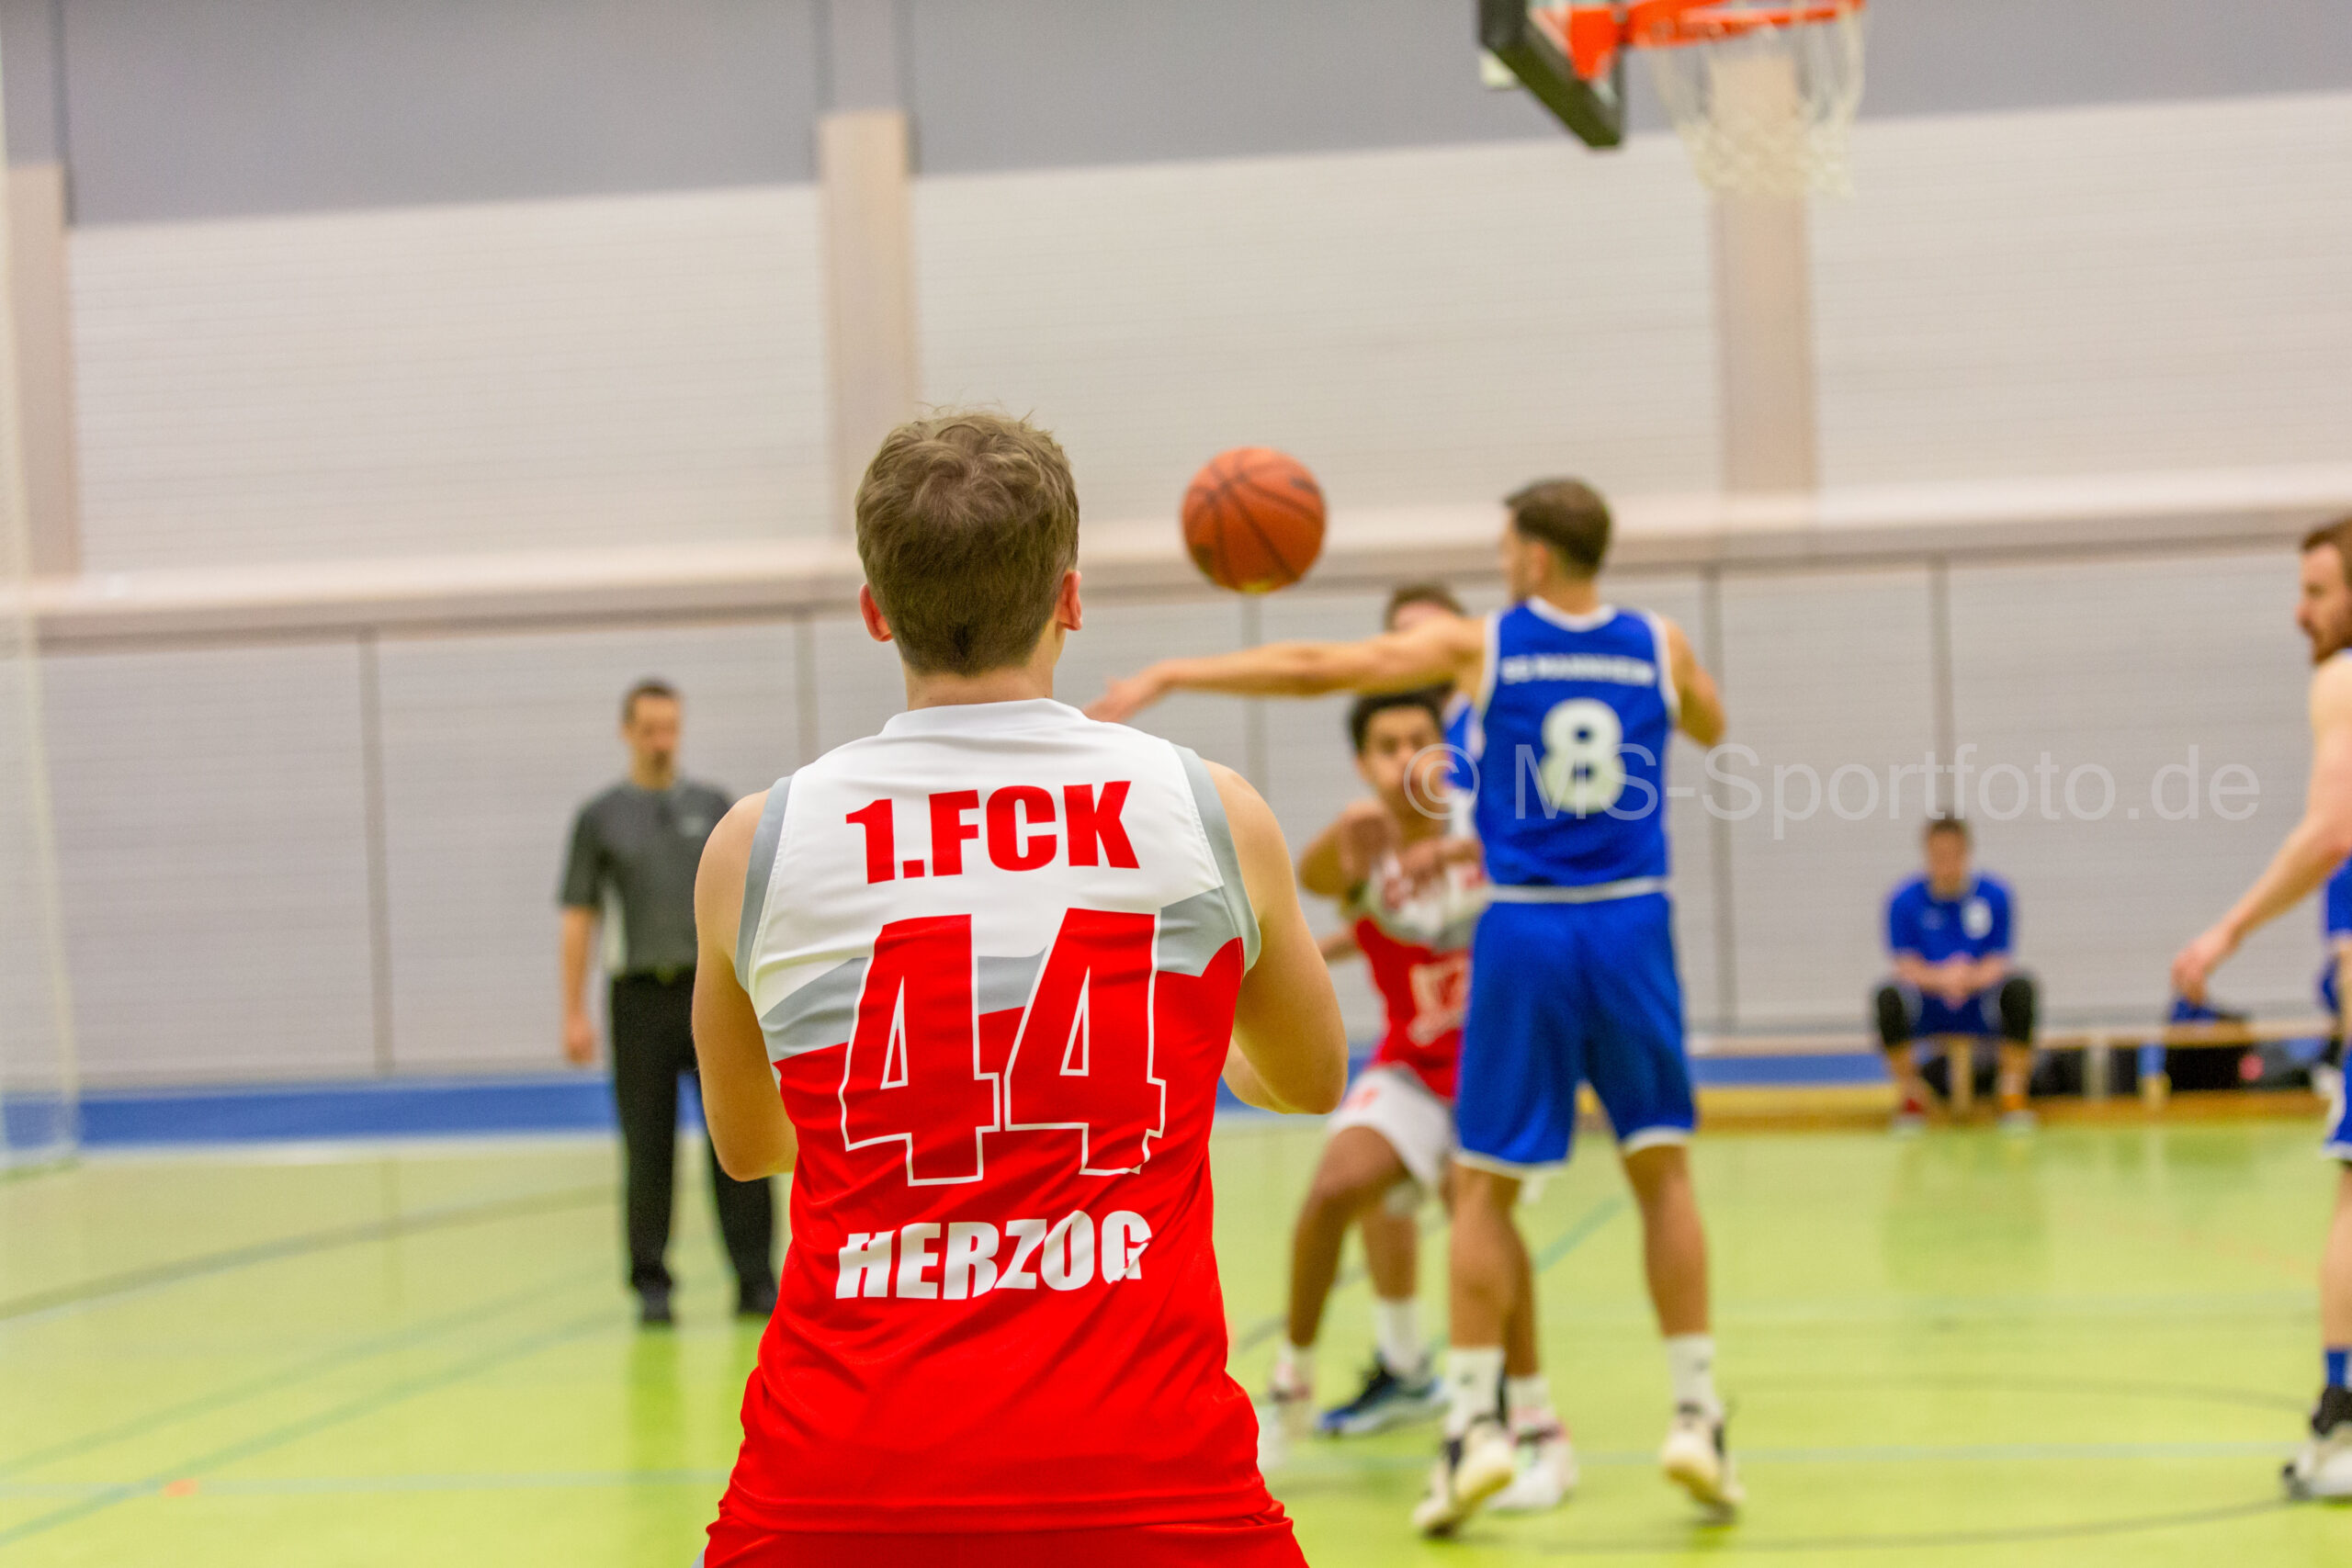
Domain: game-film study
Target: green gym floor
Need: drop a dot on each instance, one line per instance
(2091, 1345)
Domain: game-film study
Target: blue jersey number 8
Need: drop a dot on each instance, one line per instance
(1584, 770)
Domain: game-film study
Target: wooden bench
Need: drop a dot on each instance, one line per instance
(2097, 1044)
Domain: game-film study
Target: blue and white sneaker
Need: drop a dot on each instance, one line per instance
(1387, 1400)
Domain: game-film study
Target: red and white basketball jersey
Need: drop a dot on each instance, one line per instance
(1417, 945)
(995, 950)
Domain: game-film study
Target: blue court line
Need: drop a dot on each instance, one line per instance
(1568, 1240)
(443, 1106)
(293, 1431)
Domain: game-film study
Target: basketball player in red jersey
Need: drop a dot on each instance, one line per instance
(1393, 1136)
(974, 980)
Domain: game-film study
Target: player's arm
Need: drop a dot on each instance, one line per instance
(1336, 861)
(1992, 966)
(752, 1135)
(1338, 945)
(1286, 1028)
(1444, 650)
(1701, 705)
(579, 940)
(582, 874)
(2311, 851)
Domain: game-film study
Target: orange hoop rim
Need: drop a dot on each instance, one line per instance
(1591, 36)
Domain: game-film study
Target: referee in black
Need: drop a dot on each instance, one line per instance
(634, 852)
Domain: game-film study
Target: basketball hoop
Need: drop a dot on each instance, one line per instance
(1764, 93)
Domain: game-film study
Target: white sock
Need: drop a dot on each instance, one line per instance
(1691, 1362)
(1472, 1381)
(1293, 1366)
(1529, 1399)
(1396, 1331)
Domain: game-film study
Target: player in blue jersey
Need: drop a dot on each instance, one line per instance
(2311, 852)
(1950, 932)
(1572, 704)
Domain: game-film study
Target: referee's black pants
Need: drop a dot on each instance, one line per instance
(653, 1043)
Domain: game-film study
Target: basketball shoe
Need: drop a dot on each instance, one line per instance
(1470, 1468)
(2322, 1469)
(1546, 1473)
(1697, 1458)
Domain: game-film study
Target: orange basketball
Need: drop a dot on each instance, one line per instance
(1253, 519)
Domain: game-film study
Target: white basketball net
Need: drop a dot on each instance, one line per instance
(1768, 111)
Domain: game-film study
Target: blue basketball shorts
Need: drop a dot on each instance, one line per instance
(2339, 1118)
(1563, 995)
(1979, 1015)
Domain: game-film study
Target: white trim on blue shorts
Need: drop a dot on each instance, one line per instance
(1653, 1138)
(1494, 1166)
(1593, 893)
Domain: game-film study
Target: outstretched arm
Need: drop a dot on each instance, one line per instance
(1444, 651)
(749, 1128)
(1703, 706)
(2317, 845)
(1290, 1048)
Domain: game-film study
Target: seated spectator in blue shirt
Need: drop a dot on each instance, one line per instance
(1948, 932)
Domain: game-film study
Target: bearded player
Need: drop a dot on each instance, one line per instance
(1572, 975)
(2316, 847)
(1392, 1137)
(976, 977)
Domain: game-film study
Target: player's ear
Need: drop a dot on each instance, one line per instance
(876, 626)
(1069, 613)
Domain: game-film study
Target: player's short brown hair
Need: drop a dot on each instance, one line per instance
(652, 686)
(1432, 592)
(1429, 700)
(2337, 534)
(1569, 516)
(1948, 822)
(965, 523)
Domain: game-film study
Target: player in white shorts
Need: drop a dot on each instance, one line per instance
(1393, 1136)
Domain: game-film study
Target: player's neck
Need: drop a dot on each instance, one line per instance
(1947, 891)
(1014, 684)
(1576, 595)
(656, 776)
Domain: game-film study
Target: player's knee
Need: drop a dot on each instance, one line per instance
(1475, 1189)
(2018, 1003)
(1893, 1012)
(1340, 1195)
(1658, 1173)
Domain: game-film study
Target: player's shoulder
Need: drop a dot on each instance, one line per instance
(1908, 894)
(1992, 888)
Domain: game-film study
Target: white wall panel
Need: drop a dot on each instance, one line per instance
(491, 744)
(211, 821)
(1418, 325)
(2131, 666)
(2147, 285)
(32, 1045)
(506, 376)
(1821, 672)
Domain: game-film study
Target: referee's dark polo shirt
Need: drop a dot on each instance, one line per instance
(634, 854)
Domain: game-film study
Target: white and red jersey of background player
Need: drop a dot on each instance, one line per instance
(1416, 941)
(995, 950)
